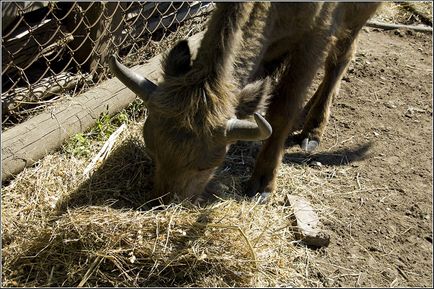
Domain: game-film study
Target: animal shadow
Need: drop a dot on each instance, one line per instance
(338, 157)
(122, 181)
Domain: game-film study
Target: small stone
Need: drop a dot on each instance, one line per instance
(410, 112)
(315, 164)
(389, 274)
(399, 33)
(390, 104)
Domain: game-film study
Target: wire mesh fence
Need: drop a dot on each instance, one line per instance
(55, 50)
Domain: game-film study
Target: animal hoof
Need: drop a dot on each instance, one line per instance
(309, 145)
(263, 197)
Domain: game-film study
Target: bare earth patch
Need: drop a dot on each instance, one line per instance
(378, 209)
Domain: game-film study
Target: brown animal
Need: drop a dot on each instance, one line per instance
(200, 107)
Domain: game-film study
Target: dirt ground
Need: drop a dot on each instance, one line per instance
(372, 192)
(380, 135)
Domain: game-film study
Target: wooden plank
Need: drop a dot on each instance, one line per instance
(307, 223)
(28, 142)
(27, 45)
(15, 99)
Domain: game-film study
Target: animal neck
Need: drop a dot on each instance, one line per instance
(253, 44)
(215, 56)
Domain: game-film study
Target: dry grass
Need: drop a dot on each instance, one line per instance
(404, 12)
(63, 229)
(175, 246)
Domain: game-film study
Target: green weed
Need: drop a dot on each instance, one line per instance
(80, 144)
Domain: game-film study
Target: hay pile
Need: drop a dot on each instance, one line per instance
(227, 244)
(61, 228)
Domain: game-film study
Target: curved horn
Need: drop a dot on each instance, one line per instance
(137, 83)
(237, 129)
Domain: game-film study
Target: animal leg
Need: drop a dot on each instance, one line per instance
(317, 110)
(282, 113)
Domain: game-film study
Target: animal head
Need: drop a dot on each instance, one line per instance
(192, 120)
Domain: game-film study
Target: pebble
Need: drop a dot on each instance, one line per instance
(315, 164)
(390, 104)
(410, 112)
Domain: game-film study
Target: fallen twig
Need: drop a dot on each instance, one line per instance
(91, 270)
(425, 19)
(391, 26)
(105, 150)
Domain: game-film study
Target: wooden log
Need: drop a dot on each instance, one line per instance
(12, 10)
(25, 47)
(390, 26)
(28, 142)
(21, 97)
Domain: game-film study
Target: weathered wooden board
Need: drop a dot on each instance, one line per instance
(28, 142)
(306, 223)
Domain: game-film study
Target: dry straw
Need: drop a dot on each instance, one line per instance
(61, 228)
(64, 228)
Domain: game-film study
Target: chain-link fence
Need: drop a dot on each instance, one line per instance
(53, 50)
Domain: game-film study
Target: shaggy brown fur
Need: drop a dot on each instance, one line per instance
(305, 34)
(185, 130)
(246, 45)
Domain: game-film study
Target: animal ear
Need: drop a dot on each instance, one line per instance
(253, 97)
(178, 61)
